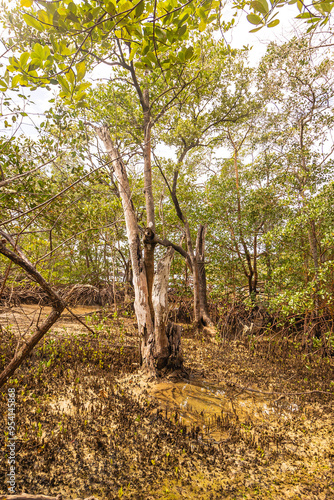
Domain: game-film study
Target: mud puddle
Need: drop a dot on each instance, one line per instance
(22, 319)
(212, 409)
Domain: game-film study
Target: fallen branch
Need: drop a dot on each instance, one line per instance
(80, 321)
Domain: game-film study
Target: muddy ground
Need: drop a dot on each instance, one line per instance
(89, 424)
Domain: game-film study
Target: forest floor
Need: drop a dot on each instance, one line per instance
(255, 419)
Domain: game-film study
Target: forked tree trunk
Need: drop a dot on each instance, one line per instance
(195, 259)
(159, 344)
(201, 310)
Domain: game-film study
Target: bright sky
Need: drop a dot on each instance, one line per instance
(237, 38)
(240, 35)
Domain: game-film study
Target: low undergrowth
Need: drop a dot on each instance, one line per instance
(86, 426)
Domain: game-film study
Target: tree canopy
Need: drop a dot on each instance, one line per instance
(179, 145)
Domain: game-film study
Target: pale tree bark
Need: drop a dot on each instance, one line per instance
(158, 347)
(201, 312)
(149, 245)
(167, 336)
(142, 306)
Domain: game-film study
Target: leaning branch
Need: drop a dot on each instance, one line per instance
(57, 308)
(178, 248)
(4, 182)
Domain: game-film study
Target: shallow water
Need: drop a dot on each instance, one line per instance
(25, 317)
(213, 409)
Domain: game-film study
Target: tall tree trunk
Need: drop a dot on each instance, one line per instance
(313, 245)
(128, 278)
(194, 265)
(202, 285)
(250, 285)
(167, 336)
(312, 236)
(149, 244)
(157, 348)
(142, 306)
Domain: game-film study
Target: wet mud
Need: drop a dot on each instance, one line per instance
(209, 407)
(89, 423)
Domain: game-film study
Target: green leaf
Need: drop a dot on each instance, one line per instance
(254, 19)
(62, 12)
(46, 52)
(189, 53)
(146, 48)
(202, 26)
(139, 65)
(26, 3)
(147, 62)
(81, 70)
(202, 13)
(181, 31)
(133, 52)
(305, 15)
(24, 59)
(83, 86)
(72, 7)
(181, 56)
(259, 7)
(35, 62)
(15, 81)
(273, 23)
(38, 50)
(31, 21)
(70, 76)
(324, 7)
(64, 84)
(44, 17)
(151, 57)
(265, 4)
(140, 9)
(160, 34)
(110, 8)
(79, 96)
(63, 49)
